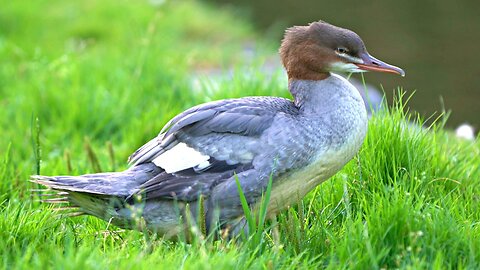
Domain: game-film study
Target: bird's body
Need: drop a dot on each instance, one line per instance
(200, 153)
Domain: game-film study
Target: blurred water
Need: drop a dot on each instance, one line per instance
(435, 41)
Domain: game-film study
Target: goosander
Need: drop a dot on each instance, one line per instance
(200, 154)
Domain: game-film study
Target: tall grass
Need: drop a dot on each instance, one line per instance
(102, 77)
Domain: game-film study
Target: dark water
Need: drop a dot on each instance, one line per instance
(437, 43)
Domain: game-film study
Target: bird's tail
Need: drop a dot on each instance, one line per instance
(94, 194)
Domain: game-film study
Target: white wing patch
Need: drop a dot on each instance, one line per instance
(181, 157)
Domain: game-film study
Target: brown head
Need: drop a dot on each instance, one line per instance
(312, 52)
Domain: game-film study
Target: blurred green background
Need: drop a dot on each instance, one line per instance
(435, 42)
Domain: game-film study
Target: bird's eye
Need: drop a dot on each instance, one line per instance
(341, 50)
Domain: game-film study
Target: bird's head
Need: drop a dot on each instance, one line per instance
(312, 52)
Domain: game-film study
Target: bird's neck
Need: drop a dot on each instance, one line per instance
(317, 96)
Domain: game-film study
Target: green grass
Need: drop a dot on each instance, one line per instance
(102, 77)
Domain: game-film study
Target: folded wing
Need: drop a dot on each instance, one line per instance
(207, 145)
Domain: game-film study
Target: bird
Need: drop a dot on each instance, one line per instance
(204, 158)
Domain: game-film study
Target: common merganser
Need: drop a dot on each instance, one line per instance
(201, 152)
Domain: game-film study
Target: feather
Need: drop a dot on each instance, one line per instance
(179, 158)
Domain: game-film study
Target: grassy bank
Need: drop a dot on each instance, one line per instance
(91, 81)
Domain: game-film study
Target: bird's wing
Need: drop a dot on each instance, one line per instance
(206, 145)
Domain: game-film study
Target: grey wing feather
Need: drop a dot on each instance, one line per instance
(146, 152)
(187, 185)
(190, 119)
(218, 129)
(152, 149)
(246, 117)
